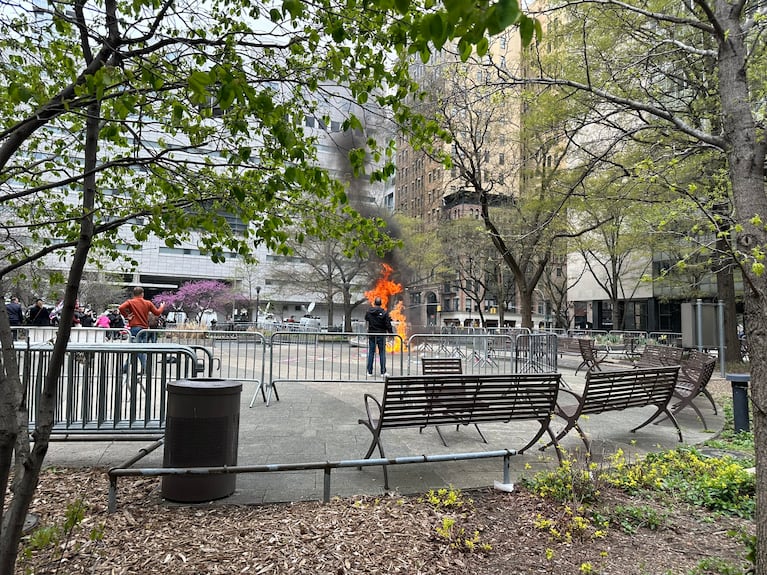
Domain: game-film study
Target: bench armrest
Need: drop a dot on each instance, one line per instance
(577, 396)
(370, 400)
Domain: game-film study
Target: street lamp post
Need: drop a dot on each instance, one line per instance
(258, 303)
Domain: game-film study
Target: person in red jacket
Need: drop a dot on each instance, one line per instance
(137, 310)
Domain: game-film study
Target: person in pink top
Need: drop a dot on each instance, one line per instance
(103, 320)
(137, 311)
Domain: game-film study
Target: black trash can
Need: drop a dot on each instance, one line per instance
(739, 382)
(201, 430)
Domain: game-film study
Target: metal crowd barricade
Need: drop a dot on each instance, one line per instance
(626, 343)
(101, 391)
(226, 354)
(665, 338)
(32, 334)
(535, 353)
(480, 353)
(590, 333)
(325, 356)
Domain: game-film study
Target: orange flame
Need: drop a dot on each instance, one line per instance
(385, 289)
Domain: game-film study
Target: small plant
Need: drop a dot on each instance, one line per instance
(449, 529)
(51, 535)
(97, 533)
(716, 565)
(571, 524)
(42, 538)
(570, 482)
(458, 539)
(449, 498)
(631, 518)
(750, 542)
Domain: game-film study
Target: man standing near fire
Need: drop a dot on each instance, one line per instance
(379, 324)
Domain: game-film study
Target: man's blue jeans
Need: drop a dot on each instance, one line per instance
(376, 341)
(133, 333)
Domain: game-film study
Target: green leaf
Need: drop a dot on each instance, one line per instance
(293, 7)
(508, 13)
(526, 30)
(482, 47)
(226, 96)
(465, 49)
(436, 28)
(338, 33)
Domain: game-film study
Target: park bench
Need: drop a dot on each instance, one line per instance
(589, 355)
(441, 365)
(659, 356)
(694, 374)
(461, 399)
(619, 390)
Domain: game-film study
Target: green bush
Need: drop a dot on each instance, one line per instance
(570, 482)
(719, 484)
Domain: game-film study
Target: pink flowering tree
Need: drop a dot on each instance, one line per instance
(193, 298)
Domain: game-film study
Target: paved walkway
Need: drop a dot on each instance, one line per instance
(318, 422)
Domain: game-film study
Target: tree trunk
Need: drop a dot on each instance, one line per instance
(756, 330)
(746, 157)
(29, 462)
(526, 307)
(347, 309)
(725, 284)
(10, 399)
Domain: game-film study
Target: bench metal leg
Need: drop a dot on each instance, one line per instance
(711, 399)
(440, 435)
(544, 428)
(376, 442)
(570, 425)
(679, 406)
(656, 414)
(480, 433)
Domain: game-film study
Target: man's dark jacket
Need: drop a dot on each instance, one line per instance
(378, 320)
(15, 313)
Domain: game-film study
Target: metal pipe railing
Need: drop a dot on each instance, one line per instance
(124, 469)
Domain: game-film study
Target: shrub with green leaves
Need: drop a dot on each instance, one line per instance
(570, 482)
(719, 484)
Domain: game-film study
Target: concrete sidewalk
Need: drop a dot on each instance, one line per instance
(317, 422)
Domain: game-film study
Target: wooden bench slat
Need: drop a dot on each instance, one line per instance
(441, 365)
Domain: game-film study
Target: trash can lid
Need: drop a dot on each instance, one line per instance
(204, 386)
(738, 377)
